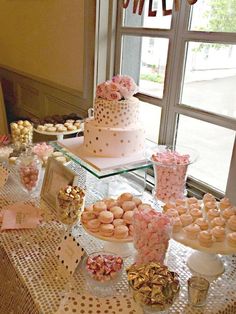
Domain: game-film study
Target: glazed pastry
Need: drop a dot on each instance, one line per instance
(232, 223)
(48, 125)
(186, 219)
(62, 129)
(205, 238)
(231, 239)
(203, 224)
(218, 233)
(192, 231)
(51, 129)
(41, 128)
(121, 232)
(71, 128)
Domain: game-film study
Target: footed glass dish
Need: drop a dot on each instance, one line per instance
(102, 270)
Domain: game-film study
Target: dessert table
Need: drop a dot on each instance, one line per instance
(32, 281)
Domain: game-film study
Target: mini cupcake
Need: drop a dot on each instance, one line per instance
(186, 219)
(231, 239)
(171, 212)
(208, 198)
(213, 213)
(196, 213)
(202, 223)
(210, 205)
(218, 221)
(205, 238)
(180, 202)
(192, 231)
(224, 203)
(181, 209)
(176, 224)
(218, 233)
(168, 205)
(228, 212)
(192, 200)
(232, 223)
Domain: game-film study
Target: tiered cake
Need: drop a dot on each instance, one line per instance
(114, 130)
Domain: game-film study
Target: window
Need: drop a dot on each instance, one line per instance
(185, 65)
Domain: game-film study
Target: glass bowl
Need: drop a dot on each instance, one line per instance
(101, 287)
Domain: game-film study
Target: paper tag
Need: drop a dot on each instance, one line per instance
(20, 216)
(69, 253)
(85, 303)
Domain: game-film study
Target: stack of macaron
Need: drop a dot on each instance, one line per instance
(206, 221)
(112, 217)
(69, 125)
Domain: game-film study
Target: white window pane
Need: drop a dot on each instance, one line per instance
(214, 16)
(159, 21)
(210, 78)
(214, 145)
(150, 117)
(144, 59)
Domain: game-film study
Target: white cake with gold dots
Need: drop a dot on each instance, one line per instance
(114, 130)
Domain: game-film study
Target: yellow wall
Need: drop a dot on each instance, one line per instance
(44, 38)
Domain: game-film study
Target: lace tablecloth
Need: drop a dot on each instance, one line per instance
(31, 281)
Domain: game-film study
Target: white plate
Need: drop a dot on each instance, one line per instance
(58, 133)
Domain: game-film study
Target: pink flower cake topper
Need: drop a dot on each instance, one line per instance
(120, 87)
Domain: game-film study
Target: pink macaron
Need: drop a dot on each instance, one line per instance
(106, 217)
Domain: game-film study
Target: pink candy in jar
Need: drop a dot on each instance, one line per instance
(152, 231)
(170, 169)
(29, 171)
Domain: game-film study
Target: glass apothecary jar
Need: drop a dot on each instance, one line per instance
(28, 171)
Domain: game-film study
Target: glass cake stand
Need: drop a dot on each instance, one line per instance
(203, 260)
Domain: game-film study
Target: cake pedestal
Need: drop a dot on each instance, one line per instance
(205, 263)
(203, 260)
(59, 135)
(122, 247)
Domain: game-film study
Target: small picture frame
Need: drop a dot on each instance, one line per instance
(56, 177)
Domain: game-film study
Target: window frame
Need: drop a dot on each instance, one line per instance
(178, 35)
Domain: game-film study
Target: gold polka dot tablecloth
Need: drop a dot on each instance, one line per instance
(31, 280)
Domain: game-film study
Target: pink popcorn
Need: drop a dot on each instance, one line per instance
(42, 150)
(151, 235)
(170, 175)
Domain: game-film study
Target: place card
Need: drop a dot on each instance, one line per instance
(85, 303)
(69, 253)
(20, 216)
(4, 174)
